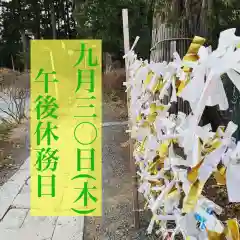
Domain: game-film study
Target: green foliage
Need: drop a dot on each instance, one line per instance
(33, 17)
(102, 19)
(225, 14)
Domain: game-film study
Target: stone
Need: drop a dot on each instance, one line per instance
(14, 219)
(70, 228)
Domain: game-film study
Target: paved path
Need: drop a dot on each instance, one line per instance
(16, 222)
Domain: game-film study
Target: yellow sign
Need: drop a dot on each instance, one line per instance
(66, 134)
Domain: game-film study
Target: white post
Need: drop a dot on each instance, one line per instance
(132, 163)
(126, 35)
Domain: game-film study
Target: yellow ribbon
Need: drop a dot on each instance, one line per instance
(192, 53)
(151, 117)
(232, 229)
(142, 147)
(215, 236)
(154, 166)
(191, 56)
(148, 78)
(220, 175)
(163, 148)
(211, 145)
(193, 173)
(183, 84)
(139, 118)
(159, 85)
(152, 108)
(191, 199)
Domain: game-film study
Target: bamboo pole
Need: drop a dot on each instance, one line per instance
(132, 163)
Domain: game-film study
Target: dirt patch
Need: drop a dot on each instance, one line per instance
(115, 106)
(113, 81)
(14, 150)
(114, 95)
(218, 194)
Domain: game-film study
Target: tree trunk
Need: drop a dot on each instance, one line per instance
(150, 23)
(209, 16)
(25, 52)
(58, 23)
(210, 6)
(37, 26)
(176, 8)
(23, 36)
(68, 19)
(53, 21)
(188, 17)
(38, 22)
(63, 15)
(203, 29)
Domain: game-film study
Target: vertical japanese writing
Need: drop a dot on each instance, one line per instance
(66, 128)
(85, 153)
(47, 157)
